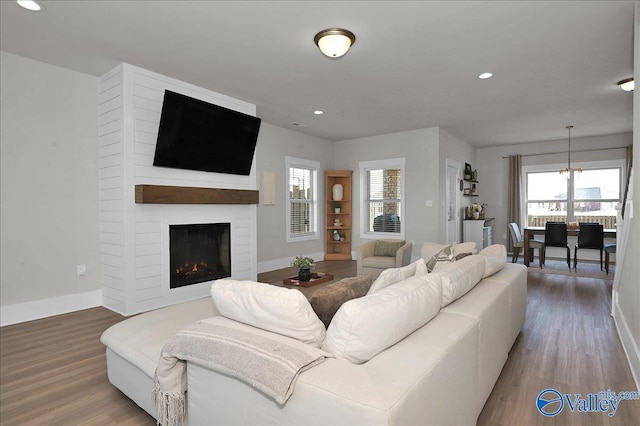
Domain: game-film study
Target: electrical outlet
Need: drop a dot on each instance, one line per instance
(82, 270)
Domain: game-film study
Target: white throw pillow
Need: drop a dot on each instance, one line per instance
(495, 257)
(392, 276)
(364, 327)
(276, 309)
(429, 249)
(460, 277)
(421, 267)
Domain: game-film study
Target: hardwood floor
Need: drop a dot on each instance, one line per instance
(569, 342)
(53, 371)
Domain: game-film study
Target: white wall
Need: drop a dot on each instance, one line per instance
(454, 148)
(627, 313)
(274, 144)
(493, 169)
(49, 182)
(420, 149)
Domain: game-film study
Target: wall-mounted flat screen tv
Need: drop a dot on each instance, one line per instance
(197, 135)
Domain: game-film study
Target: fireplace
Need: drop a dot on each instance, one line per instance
(199, 252)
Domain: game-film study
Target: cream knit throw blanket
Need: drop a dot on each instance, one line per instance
(267, 364)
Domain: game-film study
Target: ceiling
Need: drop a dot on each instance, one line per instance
(414, 64)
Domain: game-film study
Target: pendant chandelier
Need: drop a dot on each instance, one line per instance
(567, 171)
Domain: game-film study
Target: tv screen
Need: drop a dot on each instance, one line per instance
(197, 135)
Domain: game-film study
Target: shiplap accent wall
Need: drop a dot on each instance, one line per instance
(134, 238)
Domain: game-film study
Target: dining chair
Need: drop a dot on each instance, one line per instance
(608, 249)
(591, 236)
(555, 235)
(518, 242)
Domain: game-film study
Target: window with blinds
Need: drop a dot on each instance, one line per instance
(382, 188)
(302, 176)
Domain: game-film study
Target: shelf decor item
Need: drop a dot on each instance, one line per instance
(475, 210)
(336, 208)
(338, 191)
(304, 265)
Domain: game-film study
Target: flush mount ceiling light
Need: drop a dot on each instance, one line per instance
(318, 112)
(485, 75)
(31, 5)
(627, 84)
(334, 42)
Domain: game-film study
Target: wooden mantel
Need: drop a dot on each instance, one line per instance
(160, 194)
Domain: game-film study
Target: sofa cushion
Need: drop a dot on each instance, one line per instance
(277, 309)
(460, 277)
(387, 247)
(495, 257)
(366, 326)
(327, 300)
(392, 276)
(429, 249)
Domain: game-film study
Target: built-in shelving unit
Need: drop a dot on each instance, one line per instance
(338, 249)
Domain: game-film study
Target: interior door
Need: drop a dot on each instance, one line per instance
(452, 202)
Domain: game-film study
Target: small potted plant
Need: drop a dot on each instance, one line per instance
(336, 208)
(304, 265)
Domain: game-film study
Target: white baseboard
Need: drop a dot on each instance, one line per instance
(272, 265)
(629, 345)
(28, 311)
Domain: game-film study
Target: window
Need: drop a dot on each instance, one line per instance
(382, 189)
(590, 196)
(302, 205)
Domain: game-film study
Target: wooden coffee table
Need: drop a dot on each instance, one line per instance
(316, 278)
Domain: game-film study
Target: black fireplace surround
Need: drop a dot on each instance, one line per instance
(198, 253)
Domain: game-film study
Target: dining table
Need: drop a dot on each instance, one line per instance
(529, 233)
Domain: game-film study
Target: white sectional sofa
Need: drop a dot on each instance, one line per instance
(441, 373)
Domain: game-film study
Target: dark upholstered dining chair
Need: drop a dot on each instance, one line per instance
(555, 235)
(591, 236)
(608, 249)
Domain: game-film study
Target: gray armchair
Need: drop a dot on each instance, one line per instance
(368, 263)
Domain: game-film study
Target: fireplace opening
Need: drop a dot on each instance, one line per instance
(198, 253)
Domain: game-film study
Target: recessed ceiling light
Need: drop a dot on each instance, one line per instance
(485, 75)
(318, 112)
(31, 5)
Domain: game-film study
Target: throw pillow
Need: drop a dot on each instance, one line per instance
(277, 309)
(458, 278)
(443, 256)
(327, 300)
(421, 267)
(392, 276)
(364, 327)
(495, 257)
(387, 248)
(429, 249)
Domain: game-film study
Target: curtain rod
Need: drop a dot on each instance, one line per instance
(564, 152)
